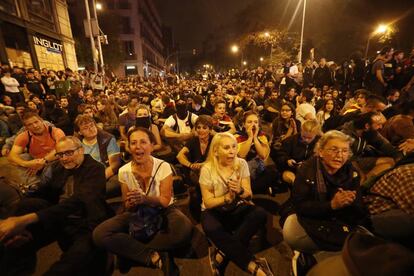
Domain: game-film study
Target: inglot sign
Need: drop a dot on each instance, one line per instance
(49, 45)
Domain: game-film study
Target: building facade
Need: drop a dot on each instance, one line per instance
(36, 34)
(141, 37)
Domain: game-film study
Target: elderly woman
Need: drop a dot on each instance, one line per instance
(326, 198)
(229, 219)
(146, 186)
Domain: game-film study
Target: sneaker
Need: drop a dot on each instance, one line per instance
(264, 266)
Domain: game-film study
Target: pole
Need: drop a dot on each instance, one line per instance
(366, 51)
(99, 40)
(88, 17)
(303, 28)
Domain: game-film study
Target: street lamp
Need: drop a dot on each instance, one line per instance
(98, 6)
(381, 29)
(266, 34)
(244, 63)
(301, 33)
(234, 49)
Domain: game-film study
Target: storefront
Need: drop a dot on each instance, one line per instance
(49, 52)
(17, 49)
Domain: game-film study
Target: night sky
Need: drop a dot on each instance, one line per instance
(335, 27)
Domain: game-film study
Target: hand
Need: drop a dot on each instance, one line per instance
(18, 240)
(342, 199)
(229, 197)
(5, 152)
(196, 166)
(36, 164)
(10, 227)
(234, 185)
(407, 146)
(291, 163)
(134, 198)
(249, 131)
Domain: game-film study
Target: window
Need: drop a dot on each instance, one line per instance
(126, 25)
(124, 5)
(8, 6)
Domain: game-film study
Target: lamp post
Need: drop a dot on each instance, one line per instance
(99, 7)
(235, 49)
(381, 29)
(89, 25)
(301, 34)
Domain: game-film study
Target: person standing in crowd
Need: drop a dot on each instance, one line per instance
(11, 88)
(226, 193)
(322, 74)
(66, 207)
(378, 83)
(34, 86)
(51, 82)
(146, 185)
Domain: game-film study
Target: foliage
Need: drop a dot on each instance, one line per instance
(283, 45)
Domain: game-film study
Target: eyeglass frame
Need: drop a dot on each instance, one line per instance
(67, 153)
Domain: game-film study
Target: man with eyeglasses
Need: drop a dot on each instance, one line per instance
(66, 207)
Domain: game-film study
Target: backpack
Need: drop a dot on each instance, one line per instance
(50, 130)
(190, 123)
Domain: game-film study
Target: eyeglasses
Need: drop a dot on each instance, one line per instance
(67, 153)
(336, 151)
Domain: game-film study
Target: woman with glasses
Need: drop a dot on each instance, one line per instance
(146, 184)
(229, 219)
(326, 198)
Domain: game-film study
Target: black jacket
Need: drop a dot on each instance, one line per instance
(292, 148)
(88, 198)
(310, 204)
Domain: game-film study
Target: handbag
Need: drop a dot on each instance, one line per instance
(146, 221)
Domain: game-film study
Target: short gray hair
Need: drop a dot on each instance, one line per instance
(75, 141)
(332, 134)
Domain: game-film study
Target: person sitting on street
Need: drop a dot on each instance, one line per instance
(221, 121)
(66, 206)
(178, 128)
(326, 197)
(146, 186)
(285, 125)
(295, 150)
(127, 120)
(102, 146)
(372, 153)
(229, 219)
(400, 127)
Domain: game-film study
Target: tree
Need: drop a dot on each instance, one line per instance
(283, 45)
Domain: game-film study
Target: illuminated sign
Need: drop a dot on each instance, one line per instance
(49, 45)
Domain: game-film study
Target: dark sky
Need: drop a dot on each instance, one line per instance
(193, 20)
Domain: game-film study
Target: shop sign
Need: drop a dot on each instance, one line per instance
(49, 45)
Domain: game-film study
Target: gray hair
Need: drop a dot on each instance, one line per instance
(75, 141)
(332, 134)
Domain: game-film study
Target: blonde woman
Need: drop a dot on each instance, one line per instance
(229, 219)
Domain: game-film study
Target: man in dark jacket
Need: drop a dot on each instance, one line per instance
(296, 149)
(322, 75)
(372, 153)
(66, 207)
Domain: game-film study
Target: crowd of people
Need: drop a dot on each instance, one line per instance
(338, 138)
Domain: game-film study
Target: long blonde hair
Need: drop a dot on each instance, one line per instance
(213, 158)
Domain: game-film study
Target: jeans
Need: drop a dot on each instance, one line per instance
(231, 231)
(296, 236)
(80, 256)
(113, 235)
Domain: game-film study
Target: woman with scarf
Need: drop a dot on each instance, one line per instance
(326, 198)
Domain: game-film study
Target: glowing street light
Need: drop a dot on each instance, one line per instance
(98, 6)
(244, 63)
(381, 29)
(266, 34)
(234, 49)
(261, 59)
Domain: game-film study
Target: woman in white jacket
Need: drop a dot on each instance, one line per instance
(11, 87)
